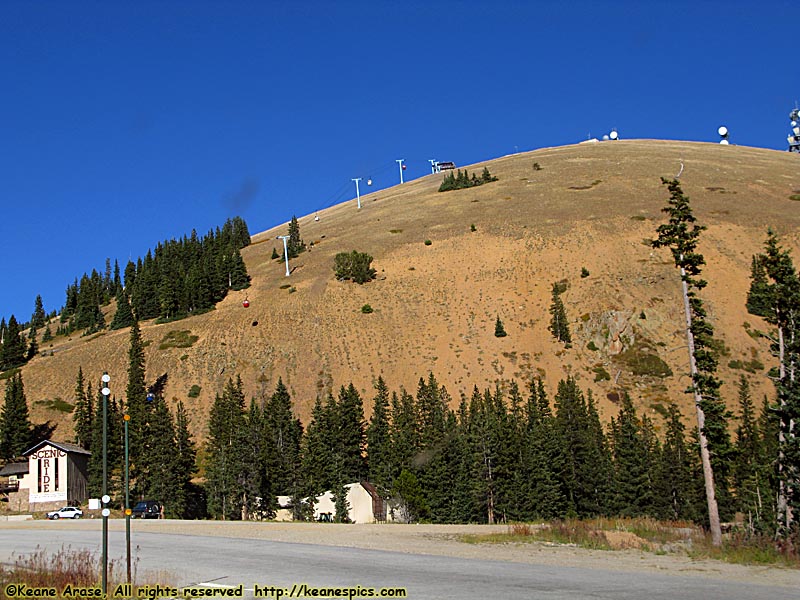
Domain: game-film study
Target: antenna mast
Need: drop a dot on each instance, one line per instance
(794, 136)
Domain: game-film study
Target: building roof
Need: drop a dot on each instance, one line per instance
(14, 468)
(65, 446)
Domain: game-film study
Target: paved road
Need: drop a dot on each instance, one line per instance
(188, 559)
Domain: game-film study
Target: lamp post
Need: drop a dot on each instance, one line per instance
(126, 418)
(106, 392)
(285, 251)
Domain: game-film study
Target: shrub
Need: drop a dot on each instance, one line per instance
(537, 166)
(592, 346)
(584, 272)
(473, 228)
(499, 330)
(178, 339)
(355, 266)
(428, 242)
(194, 391)
(366, 309)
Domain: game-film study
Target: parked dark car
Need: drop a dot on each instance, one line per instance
(146, 509)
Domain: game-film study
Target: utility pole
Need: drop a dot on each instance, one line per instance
(400, 164)
(358, 196)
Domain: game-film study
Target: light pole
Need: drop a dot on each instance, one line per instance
(106, 392)
(285, 251)
(126, 417)
(358, 196)
(400, 164)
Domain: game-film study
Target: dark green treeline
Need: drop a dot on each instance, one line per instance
(502, 454)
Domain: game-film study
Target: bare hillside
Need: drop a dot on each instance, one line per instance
(587, 206)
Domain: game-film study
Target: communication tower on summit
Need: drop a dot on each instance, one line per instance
(794, 136)
(723, 134)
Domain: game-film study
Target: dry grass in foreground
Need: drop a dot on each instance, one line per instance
(76, 568)
(649, 535)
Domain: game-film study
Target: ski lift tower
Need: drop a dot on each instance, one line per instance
(794, 136)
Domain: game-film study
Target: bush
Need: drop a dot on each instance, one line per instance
(428, 242)
(366, 309)
(194, 391)
(584, 272)
(178, 339)
(354, 265)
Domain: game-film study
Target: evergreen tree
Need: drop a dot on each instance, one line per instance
(283, 433)
(341, 504)
(559, 326)
(675, 498)
(758, 300)
(632, 460)
(82, 414)
(379, 443)
(294, 245)
(123, 317)
(139, 409)
(184, 502)
(681, 235)
(544, 458)
(39, 317)
(225, 447)
(163, 477)
(747, 468)
(351, 436)
(47, 335)
(499, 330)
(16, 431)
(13, 348)
(783, 296)
(585, 462)
(408, 498)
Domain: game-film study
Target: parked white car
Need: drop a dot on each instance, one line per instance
(67, 512)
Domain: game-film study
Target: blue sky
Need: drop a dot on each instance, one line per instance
(126, 123)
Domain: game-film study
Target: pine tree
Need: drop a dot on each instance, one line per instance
(184, 500)
(675, 498)
(783, 295)
(559, 326)
(294, 245)
(758, 300)
(681, 235)
(585, 462)
(16, 431)
(39, 317)
(82, 415)
(379, 443)
(139, 409)
(499, 330)
(163, 483)
(632, 460)
(123, 317)
(225, 447)
(341, 504)
(13, 348)
(283, 433)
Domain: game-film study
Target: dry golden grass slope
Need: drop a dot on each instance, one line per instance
(590, 205)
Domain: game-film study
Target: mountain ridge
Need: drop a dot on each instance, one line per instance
(435, 305)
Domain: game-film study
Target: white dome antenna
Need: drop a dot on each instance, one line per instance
(613, 135)
(723, 134)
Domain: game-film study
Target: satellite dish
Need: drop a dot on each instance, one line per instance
(613, 135)
(723, 131)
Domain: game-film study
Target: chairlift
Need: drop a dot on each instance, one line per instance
(246, 303)
(369, 181)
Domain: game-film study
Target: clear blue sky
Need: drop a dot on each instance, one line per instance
(126, 123)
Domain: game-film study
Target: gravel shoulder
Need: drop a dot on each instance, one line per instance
(443, 540)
